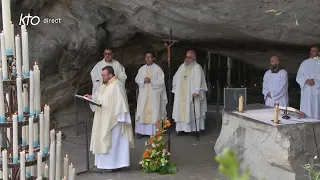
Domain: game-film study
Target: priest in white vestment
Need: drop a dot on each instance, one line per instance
(152, 98)
(275, 84)
(308, 78)
(112, 132)
(97, 69)
(189, 84)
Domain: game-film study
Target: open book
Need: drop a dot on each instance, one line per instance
(291, 109)
(88, 100)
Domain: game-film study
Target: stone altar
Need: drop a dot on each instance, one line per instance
(271, 151)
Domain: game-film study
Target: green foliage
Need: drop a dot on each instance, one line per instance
(313, 171)
(229, 166)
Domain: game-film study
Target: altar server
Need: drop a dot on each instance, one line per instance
(275, 84)
(152, 98)
(112, 132)
(106, 61)
(189, 88)
(308, 78)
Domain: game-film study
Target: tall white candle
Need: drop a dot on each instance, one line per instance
(5, 164)
(73, 174)
(25, 52)
(52, 136)
(52, 161)
(2, 110)
(25, 99)
(9, 135)
(39, 164)
(6, 22)
(46, 171)
(37, 90)
(12, 31)
(41, 135)
(58, 161)
(36, 135)
(24, 136)
(65, 166)
(19, 96)
(18, 55)
(31, 89)
(31, 153)
(70, 171)
(15, 138)
(28, 174)
(4, 57)
(47, 127)
(22, 165)
(59, 137)
(10, 44)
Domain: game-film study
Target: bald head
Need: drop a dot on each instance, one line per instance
(190, 57)
(274, 62)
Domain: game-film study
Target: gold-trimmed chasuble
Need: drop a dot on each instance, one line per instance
(183, 86)
(147, 108)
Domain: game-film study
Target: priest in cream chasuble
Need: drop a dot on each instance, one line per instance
(112, 133)
(189, 84)
(152, 98)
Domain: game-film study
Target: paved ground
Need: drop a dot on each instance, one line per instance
(194, 159)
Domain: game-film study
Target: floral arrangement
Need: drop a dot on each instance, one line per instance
(156, 157)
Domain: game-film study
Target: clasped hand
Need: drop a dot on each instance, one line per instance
(88, 96)
(147, 80)
(310, 82)
(195, 95)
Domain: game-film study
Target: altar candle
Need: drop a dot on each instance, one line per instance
(15, 138)
(31, 153)
(37, 89)
(6, 23)
(31, 89)
(22, 165)
(52, 161)
(70, 171)
(19, 96)
(39, 164)
(52, 136)
(4, 65)
(25, 51)
(41, 132)
(5, 165)
(25, 99)
(18, 55)
(73, 174)
(46, 126)
(276, 114)
(58, 161)
(240, 104)
(46, 171)
(65, 166)
(59, 137)
(24, 136)
(35, 134)
(2, 110)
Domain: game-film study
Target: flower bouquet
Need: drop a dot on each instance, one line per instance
(156, 157)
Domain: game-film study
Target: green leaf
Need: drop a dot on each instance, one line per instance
(153, 167)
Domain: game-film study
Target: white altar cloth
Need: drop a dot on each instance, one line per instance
(266, 115)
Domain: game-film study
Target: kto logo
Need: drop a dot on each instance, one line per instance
(35, 20)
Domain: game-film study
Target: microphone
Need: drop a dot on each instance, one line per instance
(286, 114)
(85, 86)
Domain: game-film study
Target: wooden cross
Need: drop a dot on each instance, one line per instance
(168, 43)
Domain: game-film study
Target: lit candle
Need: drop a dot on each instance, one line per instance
(37, 92)
(6, 23)
(52, 136)
(58, 161)
(39, 164)
(41, 132)
(10, 44)
(5, 164)
(70, 171)
(240, 104)
(22, 165)
(65, 166)
(18, 56)
(46, 127)
(25, 51)
(25, 99)
(2, 110)
(46, 171)
(19, 96)
(276, 114)
(4, 57)
(73, 174)
(52, 161)
(31, 155)
(31, 94)
(59, 137)
(15, 138)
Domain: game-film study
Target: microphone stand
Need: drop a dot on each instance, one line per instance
(286, 114)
